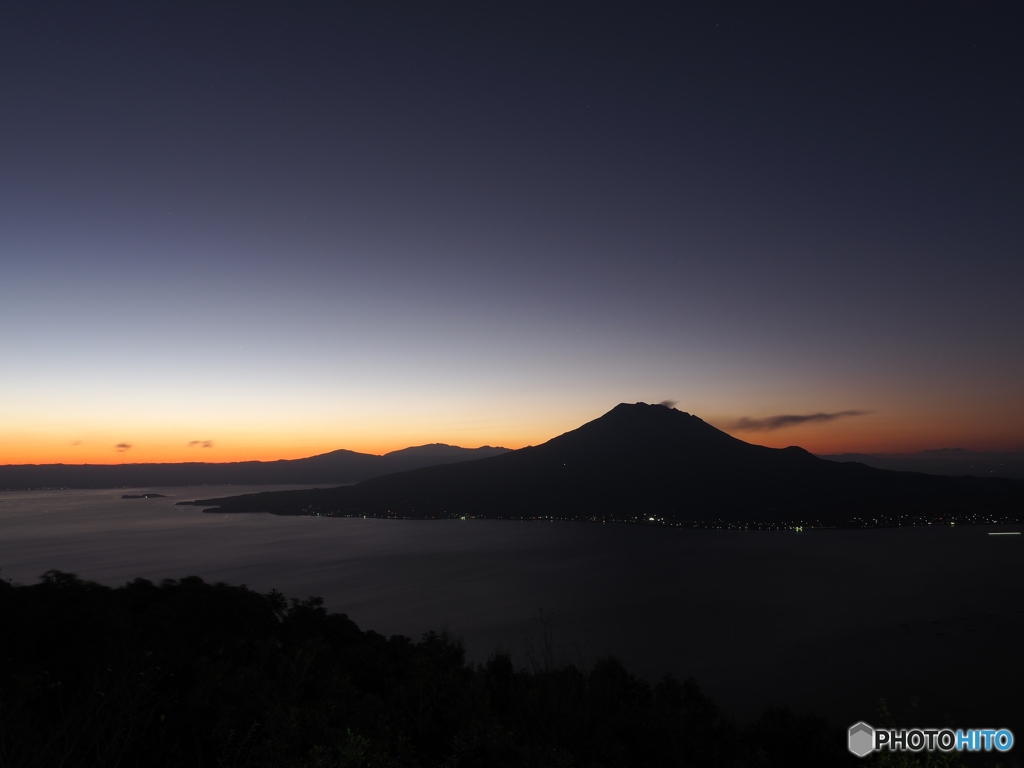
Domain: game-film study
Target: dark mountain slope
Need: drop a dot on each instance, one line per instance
(335, 467)
(648, 460)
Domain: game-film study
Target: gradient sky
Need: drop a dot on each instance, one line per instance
(286, 228)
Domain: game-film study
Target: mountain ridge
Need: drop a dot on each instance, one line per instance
(339, 466)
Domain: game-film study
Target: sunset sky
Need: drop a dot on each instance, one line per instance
(262, 231)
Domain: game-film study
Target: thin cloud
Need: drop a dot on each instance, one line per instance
(668, 403)
(790, 420)
(200, 443)
(122, 447)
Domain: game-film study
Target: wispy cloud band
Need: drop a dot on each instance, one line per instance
(772, 423)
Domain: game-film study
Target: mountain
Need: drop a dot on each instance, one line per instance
(642, 461)
(336, 467)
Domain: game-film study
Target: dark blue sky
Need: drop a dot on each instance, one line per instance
(290, 229)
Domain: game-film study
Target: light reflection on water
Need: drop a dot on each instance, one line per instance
(822, 619)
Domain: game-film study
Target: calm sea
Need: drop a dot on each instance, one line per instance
(823, 620)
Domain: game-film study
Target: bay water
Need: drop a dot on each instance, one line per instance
(825, 621)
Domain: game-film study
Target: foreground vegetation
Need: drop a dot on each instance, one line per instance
(187, 673)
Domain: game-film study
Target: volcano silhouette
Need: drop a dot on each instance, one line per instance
(640, 461)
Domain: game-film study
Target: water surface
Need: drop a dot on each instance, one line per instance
(824, 620)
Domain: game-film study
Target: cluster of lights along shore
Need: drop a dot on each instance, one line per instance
(880, 521)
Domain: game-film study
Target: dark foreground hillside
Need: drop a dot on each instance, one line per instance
(194, 674)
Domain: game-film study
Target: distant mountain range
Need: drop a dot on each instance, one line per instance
(648, 462)
(944, 461)
(336, 467)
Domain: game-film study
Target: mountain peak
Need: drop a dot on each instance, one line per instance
(648, 429)
(640, 406)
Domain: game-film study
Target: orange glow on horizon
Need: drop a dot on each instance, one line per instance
(864, 434)
(156, 451)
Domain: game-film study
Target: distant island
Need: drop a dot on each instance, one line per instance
(144, 496)
(654, 464)
(334, 468)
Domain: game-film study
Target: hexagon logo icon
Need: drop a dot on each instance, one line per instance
(862, 739)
